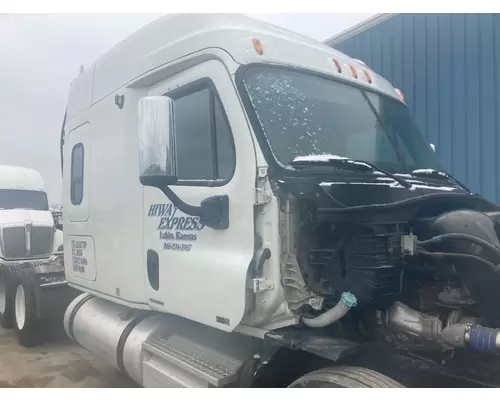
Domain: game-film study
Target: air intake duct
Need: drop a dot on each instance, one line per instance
(473, 336)
(476, 263)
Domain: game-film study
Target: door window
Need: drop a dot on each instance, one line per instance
(76, 191)
(205, 148)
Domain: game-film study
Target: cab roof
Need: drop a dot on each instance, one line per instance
(20, 178)
(174, 36)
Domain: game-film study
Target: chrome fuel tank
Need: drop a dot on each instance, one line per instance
(112, 331)
(157, 349)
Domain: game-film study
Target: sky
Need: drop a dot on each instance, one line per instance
(42, 53)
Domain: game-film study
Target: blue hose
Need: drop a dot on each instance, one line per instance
(483, 339)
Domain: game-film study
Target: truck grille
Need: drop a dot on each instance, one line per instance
(41, 240)
(14, 242)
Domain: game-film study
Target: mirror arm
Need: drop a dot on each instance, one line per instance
(213, 212)
(195, 211)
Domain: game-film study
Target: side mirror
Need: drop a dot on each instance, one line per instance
(158, 163)
(157, 151)
(433, 147)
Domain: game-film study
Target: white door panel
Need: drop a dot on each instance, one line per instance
(202, 272)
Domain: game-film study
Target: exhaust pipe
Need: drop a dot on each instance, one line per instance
(424, 329)
(401, 318)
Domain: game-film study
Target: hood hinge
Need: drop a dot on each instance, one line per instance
(262, 195)
(261, 285)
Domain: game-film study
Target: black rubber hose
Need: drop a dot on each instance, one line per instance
(493, 267)
(461, 236)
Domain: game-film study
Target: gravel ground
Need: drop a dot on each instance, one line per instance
(57, 363)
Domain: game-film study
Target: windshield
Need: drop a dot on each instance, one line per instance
(303, 115)
(24, 199)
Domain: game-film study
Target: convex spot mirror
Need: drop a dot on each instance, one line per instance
(157, 151)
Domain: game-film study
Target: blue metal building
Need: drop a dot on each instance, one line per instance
(448, 67)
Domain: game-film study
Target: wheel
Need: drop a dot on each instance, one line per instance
(25, 318)
(6, 299)
(345, 377)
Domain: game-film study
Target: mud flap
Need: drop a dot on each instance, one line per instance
(52, 293)
(316, 342)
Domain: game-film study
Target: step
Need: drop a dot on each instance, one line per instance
(207, 364)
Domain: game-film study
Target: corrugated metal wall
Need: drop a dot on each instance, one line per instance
(448, 66)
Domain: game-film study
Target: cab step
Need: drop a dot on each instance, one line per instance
(179, 361)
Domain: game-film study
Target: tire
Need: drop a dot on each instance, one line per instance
(7, 282)
(26, 323)
(345, 377)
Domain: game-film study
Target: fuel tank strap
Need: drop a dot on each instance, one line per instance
(73, 314)
(124, 336)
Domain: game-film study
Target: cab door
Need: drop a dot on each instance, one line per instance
(79, 255)
(192, 270)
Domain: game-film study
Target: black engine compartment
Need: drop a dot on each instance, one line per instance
(359, 248)
(421, 262)
(362, 259)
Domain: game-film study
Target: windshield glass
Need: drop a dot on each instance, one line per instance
(302, 115)
(24, 199)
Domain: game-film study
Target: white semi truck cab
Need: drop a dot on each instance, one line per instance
(27, 228)
(32, 282)
(244, 206)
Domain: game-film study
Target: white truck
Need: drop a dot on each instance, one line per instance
(244, 206)
(33, 288)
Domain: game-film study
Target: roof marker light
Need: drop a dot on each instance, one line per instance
(401, 95)
(257, 45)
(337, 64)
(354, 72)
(367, 76)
